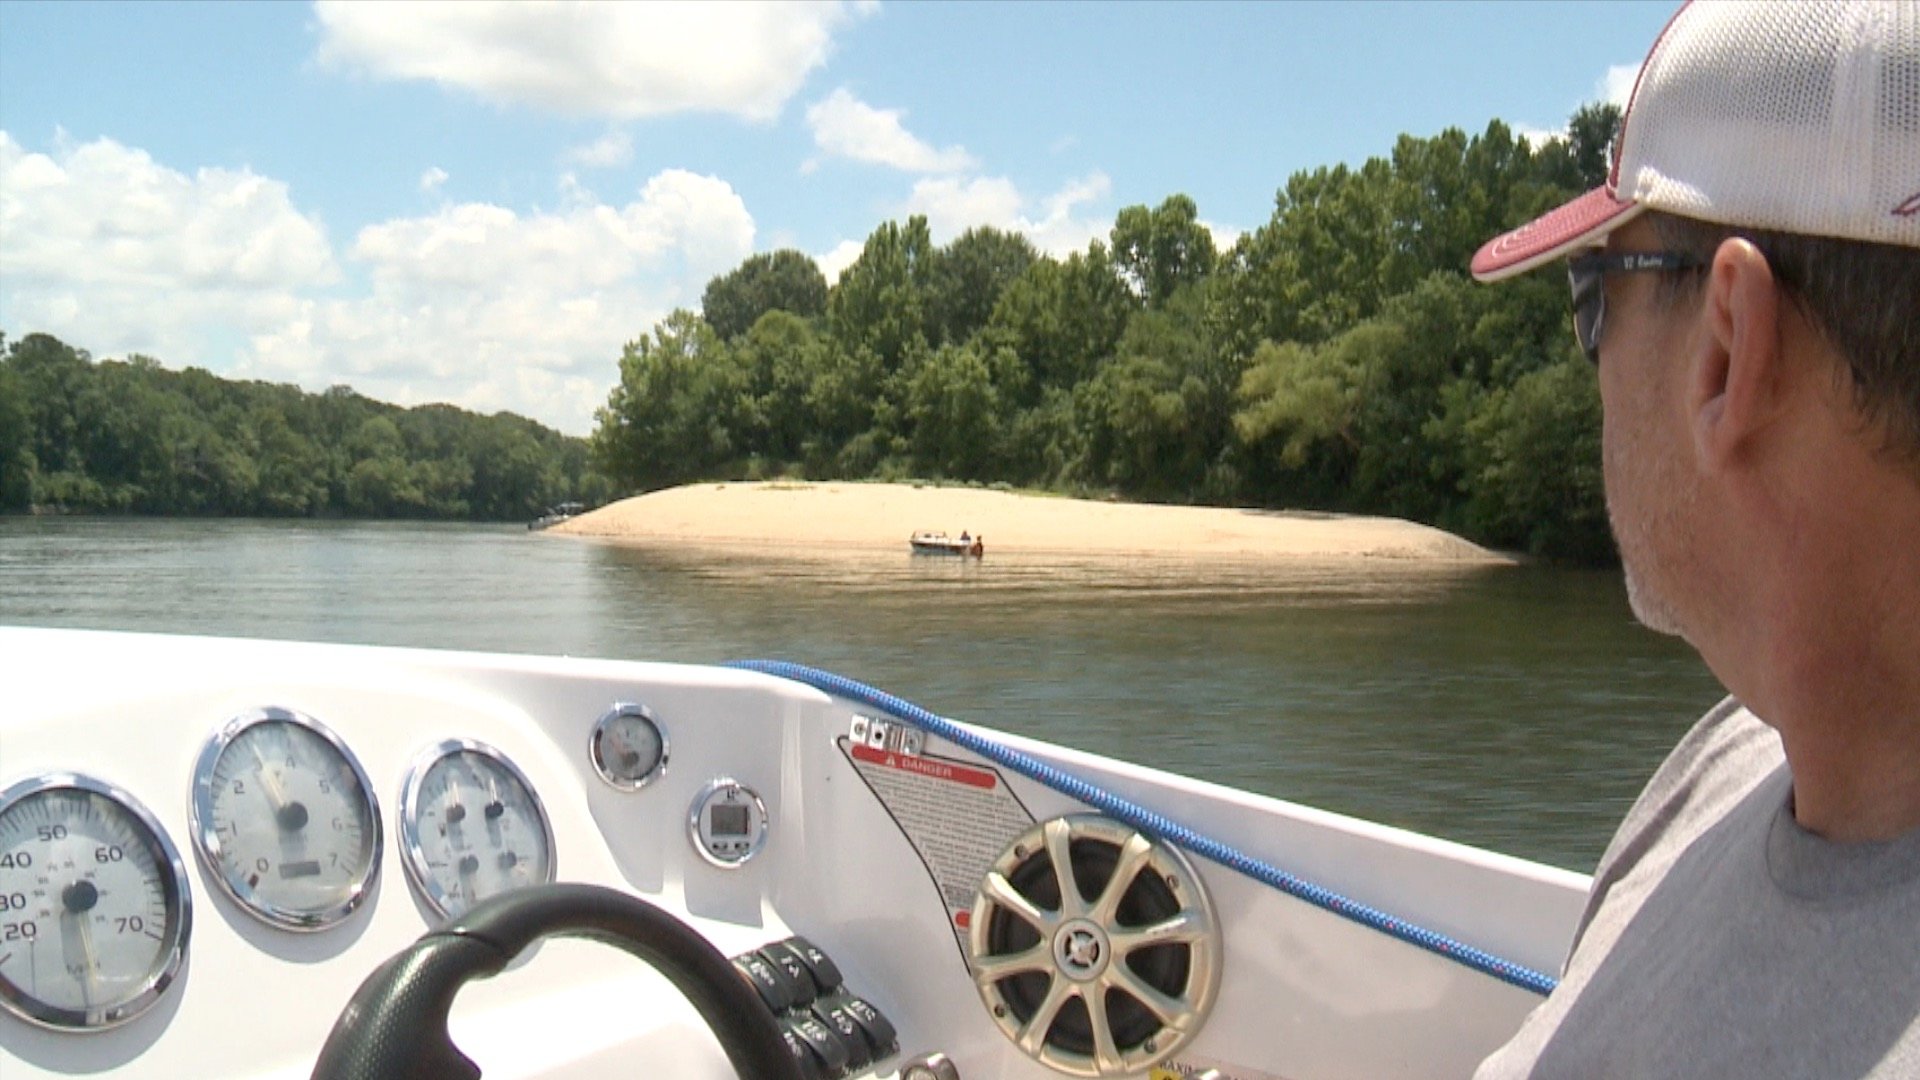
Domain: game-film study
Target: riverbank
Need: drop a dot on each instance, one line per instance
(784, 518)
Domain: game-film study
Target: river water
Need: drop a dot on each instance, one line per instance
(1519, 709)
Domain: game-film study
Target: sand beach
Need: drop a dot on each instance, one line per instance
(807, 520)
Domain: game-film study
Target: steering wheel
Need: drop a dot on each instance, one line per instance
(396, 1023)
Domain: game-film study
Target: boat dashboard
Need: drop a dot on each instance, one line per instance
(207, 845)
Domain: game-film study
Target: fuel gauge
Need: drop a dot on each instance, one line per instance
(628, 747)
(471, 827)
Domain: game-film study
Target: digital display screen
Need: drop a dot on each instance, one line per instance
(289, 870)
(729, 820)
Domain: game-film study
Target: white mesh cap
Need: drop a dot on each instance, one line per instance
(1800, 116)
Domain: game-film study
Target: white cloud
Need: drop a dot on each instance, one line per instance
(953, 205)
(431, 180)
(611, 150)
(474, 304)
(1613, 88)
(109, 213)
(618, 60)
(1538, 137)
(584, 247)
(114, 252)
(1224, 236)
(493, 309)
(848, 127)
(835, 262)
(1616, 86)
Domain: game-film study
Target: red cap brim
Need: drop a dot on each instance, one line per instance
(1584, 222)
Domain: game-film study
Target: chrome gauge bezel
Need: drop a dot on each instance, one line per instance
(761, 824)
(596, 754)
(207, 842)
(177, 898)
(413, 855)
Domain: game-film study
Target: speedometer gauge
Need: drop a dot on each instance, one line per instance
(94, 909)
(471, 827)
(285, 820)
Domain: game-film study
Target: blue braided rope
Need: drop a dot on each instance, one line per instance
(1147, 821)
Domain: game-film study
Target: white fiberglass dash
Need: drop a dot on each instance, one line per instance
(825, 883)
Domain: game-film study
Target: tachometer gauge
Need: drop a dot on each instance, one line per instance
(471, 827)
(285, 819)
(94, 909)
(628, 747)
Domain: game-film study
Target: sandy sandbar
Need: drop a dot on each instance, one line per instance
(833, 518)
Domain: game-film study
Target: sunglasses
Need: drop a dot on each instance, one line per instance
(1587, 276)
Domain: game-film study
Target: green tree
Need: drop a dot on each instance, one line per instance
(1164, 409)
(779, 360)
(954, 414)
(666, 421)
(50, 375)
(845, 403)
(784, 280)
(968, 277)
(1590, 135)
(17, 465)
(1160, 251)
(1536, 475)
(292, 469)
(881, 301)
(1064, 319)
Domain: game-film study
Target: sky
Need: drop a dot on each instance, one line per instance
(480, 203)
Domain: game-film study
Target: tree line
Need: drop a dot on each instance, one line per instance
(129, 436)
(1337, 357)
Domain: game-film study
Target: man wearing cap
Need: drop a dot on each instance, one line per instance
(1748, 283)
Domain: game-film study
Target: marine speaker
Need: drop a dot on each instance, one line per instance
(1094, 947)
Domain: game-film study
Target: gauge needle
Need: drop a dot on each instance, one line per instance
(276, 794)
(495, 808)
(77, 901)
(91, 957)
(469, 866)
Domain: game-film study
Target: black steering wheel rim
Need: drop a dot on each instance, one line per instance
(396, 1023)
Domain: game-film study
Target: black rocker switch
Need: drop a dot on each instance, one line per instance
(835, 1016)
(834, 1052)
(877, 1028)
(826, 974)
(799, 976)
(811, 1067)
(770, 981)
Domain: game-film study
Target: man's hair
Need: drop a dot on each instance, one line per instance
(1864, 298)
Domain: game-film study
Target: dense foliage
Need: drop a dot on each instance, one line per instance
(132, 437)
(1337, 357)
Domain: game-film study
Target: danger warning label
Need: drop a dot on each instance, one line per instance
(1176, 1070)
(957, 815)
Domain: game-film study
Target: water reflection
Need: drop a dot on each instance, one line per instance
(1515, 708)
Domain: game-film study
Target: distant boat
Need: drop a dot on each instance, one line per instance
(557, 514)
(939, 543)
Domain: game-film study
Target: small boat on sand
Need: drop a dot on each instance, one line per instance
(939, 543)
(557, 514)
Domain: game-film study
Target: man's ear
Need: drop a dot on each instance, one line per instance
(1735, 384)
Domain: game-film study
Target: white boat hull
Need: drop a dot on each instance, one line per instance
(1303, 993)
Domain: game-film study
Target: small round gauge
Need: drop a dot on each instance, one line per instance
(285, 820)
(628, 747)
(729, 823)
(94, 908)
(471, 827)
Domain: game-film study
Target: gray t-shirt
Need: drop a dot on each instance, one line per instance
(1722, 939)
